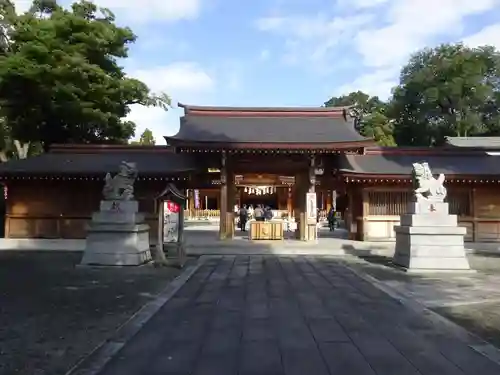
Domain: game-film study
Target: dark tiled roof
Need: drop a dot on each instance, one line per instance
(260, 109)
(400, 164)
(148, 163)
(223, 129)
(474, 142)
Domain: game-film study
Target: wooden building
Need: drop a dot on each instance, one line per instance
(231, 156)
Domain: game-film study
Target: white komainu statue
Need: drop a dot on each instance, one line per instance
(425, 186)
(121, 187)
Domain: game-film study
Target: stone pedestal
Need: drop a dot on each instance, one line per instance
(429, 239)
(117, 236)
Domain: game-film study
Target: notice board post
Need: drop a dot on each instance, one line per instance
(171, 203)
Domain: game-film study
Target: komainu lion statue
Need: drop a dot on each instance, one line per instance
(425, 186)
(121, 187)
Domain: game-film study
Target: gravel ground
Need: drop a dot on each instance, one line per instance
(52, 314)
(470, 300)
(483, 318)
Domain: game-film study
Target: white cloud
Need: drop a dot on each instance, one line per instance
(143, 11)
(382, 32)
(148, 10)
(178, 79)
(264, 55)
(22, 5)
(184, 81)
(412, 25)
(360, 4)
(160, 122)
(313, 37)
(378, 82)
(490, 35)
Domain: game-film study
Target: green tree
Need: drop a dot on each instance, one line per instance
(450, 90)
(60, 78)
(13, 149)
(146, 139)
(373, 121)
(7, 11)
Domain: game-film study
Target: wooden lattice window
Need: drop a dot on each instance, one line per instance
(459, 202)
(388, 202)
(396, 202)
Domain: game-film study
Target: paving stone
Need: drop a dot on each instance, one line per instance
(228, 319)
(189, 290)
(328, 330)
(258, 330)
(177, 359)
(187, 330)
(260, 358)
(303, 362)
(424, 356)
(266, 315)
(217, 364)
(296, 340)
(316, 312)
(208, 297)
(222, 341)
(230, 303)
(382, 356)
(256, 295)
(345, 358)
(352, 322)
(470, 361)
(257, 310)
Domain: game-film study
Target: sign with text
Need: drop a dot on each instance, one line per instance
(196, 199)
(171, 223)
(312, 212)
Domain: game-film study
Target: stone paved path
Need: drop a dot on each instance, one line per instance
(271, 315)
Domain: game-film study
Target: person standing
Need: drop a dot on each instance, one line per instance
(250, 212)
(331, 219)
(243, 214)
(258, 213)
(268, 214)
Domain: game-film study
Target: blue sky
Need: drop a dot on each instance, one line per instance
(284, 52)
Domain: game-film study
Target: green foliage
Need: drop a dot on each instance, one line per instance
(450, 90)
(60, 81)
(147, 139)
(373, 122)
(7, 12)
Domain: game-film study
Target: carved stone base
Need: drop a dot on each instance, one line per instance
(117, 236)
(430, 240)
(428, 207)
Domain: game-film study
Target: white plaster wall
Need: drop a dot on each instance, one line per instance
(380, 227)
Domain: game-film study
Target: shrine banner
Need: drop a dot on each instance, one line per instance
(170, 221)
